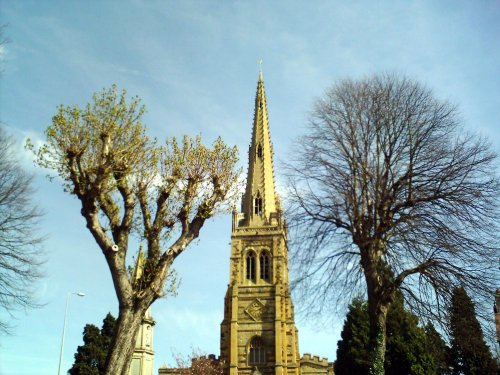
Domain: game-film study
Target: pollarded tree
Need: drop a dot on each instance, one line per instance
(20, 244)
(390, 194)
(469, 353)
(129, 186)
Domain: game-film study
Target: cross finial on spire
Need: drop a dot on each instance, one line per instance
(260, 70)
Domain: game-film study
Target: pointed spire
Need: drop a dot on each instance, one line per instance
(139, 265)
(137, 274)
(260, 200)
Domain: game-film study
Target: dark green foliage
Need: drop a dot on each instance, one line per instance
(469, 353)
(438, 349)
(407, 351)
(352, 349)
(90, 358)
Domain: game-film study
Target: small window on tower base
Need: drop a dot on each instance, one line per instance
(258, 206)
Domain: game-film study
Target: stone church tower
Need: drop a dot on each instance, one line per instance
(258, 333)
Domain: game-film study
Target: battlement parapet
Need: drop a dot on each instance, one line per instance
(314, 359)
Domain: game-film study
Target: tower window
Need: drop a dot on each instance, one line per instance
(256, 353)
(265, 266)
(250, 266)
(258, 205)
(259, 151)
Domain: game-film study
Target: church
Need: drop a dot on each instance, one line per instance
(258, 332)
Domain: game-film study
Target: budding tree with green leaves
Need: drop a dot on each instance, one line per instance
(130, 186)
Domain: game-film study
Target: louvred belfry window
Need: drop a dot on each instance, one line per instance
(265, 266)
(250, 263)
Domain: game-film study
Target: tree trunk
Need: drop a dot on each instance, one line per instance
(123, 345)
(377, 339)
(378, 305)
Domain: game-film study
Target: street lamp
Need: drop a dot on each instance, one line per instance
(79, 294)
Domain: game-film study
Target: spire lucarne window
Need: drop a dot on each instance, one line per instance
(258, 205)
(259, 151)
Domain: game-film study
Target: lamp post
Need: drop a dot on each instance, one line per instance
(79, 294)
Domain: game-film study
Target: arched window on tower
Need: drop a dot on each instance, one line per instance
(265, 266)
(250, 263)
(257, 206)
(256, 352)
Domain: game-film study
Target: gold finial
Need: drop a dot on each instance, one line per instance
(260, 70)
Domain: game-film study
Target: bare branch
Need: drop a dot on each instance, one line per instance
(20, 244)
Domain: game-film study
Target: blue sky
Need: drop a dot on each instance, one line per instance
(194, 64)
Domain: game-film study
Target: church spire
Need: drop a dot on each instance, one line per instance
(260, 200)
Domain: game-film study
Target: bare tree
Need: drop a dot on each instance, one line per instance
(129, 186)
(20, 243)
(389, 193)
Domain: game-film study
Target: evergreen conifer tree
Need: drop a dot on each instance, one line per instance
(406, 351)
(352, 349)
(437, 347)
(90, 358)
(469, 353)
